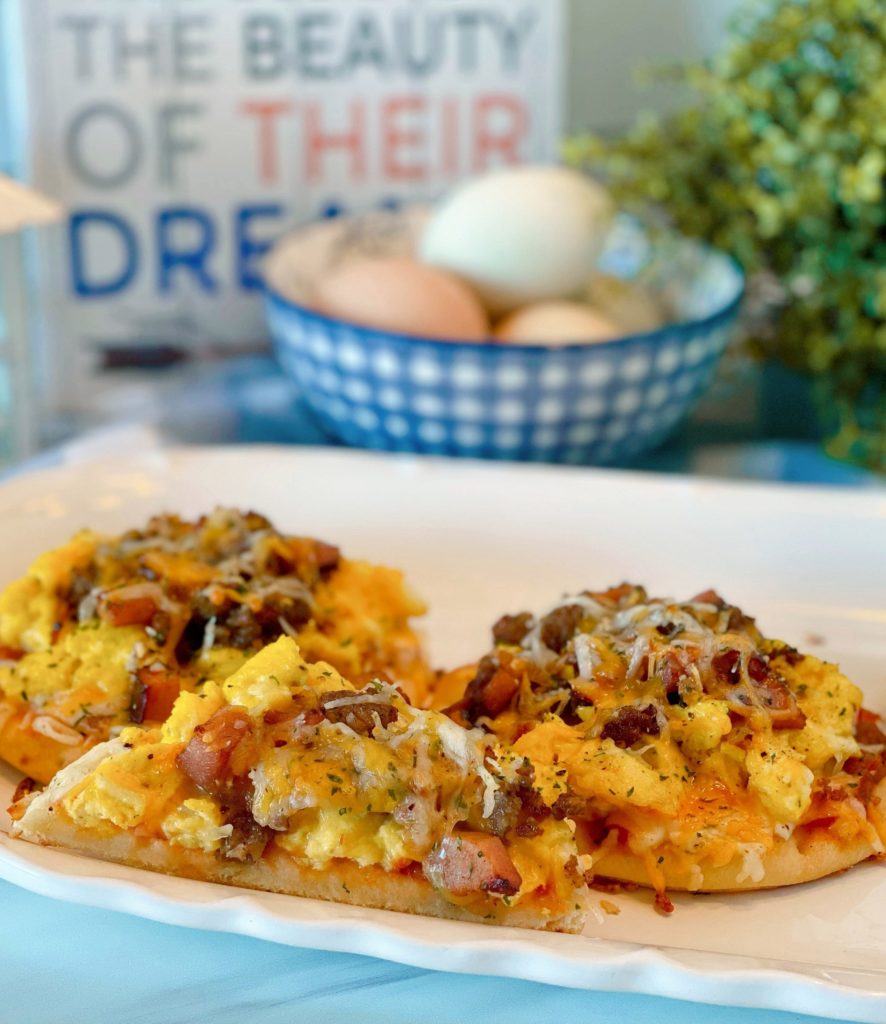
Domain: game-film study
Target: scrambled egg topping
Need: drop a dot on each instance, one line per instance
(322, 772)
(29, 606)
(107, 630)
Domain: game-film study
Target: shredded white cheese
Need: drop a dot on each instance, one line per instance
(208, 636)
(751, 863)
(490, 788)
(287, 628)
(586, 656)
(53, 729)
(357, 698)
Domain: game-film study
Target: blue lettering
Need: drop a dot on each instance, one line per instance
(191, 257)
(85, 284)
(248, 249)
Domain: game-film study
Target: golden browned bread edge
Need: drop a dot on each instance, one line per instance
(342, 882)
(788, 863)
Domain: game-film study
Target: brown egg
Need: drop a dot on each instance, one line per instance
(555, 323)
(399, 295)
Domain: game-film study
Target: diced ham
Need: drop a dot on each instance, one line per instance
(472, 862)
(207, 758)
(153, 694)
(133, 605)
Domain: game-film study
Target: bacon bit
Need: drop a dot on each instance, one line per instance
(613, 909)
(663, 904)
(708, 597)
(25, 787)
(8, 653)
(789, 654)
(603, 883)
(489, 692)
(870, 769)
(868, 731)
(828, 791)
(728, 666)
(132, 605)
(780, 703)
(313, 716)
(327, 555)
(616, 594)
(824, 822)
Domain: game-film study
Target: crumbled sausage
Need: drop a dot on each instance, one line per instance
(247, 840)
(360, 715)
(559, 626)
(569, 805)
(629, 723)
(512, 629)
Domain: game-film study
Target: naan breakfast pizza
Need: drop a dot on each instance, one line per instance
(695, 753)
(286, 777)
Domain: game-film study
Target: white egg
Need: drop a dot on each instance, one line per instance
(520, 235)
(633, 307)
(555, 323)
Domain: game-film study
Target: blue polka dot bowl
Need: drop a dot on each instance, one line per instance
(600, 403)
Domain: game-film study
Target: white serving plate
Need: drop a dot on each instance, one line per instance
(476, 540)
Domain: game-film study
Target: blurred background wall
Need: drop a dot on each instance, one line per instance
(609, 39)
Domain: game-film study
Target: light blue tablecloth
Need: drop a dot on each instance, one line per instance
(74, 965)
(63, 963)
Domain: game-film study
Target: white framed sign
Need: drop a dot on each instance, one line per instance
(183, 136)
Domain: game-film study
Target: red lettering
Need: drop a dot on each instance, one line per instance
(266, 114)
(449, 138)
(396, 137)
(500, 124)
(319, 142)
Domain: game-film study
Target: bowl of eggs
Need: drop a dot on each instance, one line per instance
(520, 318)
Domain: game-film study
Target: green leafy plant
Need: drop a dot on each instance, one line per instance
(781, 161)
